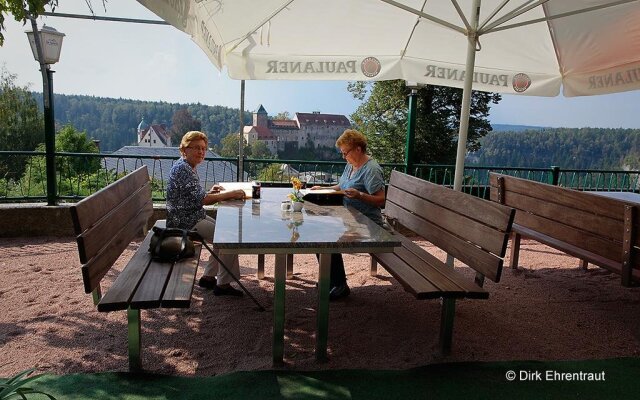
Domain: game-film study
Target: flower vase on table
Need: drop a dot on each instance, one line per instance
(296, 197)
(297, 206)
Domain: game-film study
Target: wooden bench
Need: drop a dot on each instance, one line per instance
(595, 229)
(105, 224)
(473, 230)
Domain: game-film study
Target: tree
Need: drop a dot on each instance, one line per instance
(183, 122)
(282, 115)
(21, 124)
(258, 149)
(229, 146)
(382, 117)
(76, 175)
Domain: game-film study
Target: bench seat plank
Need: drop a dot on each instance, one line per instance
(151, 288)
(471, 290)
(178, 292)
(120, 293)
(425, 276)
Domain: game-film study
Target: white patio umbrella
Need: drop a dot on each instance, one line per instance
(524, 47)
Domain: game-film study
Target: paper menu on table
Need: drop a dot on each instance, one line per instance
(321, 191)
(228, 186)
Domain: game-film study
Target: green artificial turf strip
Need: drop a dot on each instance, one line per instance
(473, 380)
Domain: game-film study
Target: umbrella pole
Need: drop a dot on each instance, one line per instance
(466, 96)
(241, 136)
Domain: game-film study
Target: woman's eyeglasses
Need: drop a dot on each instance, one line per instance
(346, 153)
(196, 148)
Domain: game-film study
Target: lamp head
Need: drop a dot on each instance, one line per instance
(51, 42)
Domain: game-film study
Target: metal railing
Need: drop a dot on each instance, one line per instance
(22, 174)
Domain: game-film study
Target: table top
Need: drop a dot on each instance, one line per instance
(629, 197)
(248, 224)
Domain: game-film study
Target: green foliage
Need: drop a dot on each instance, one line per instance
(21, 9)
(21, 124)
(583, 148)
(14, 387)
(382, 117)
(271, 173)
(76, 175)
(181, 123)
(229, 146)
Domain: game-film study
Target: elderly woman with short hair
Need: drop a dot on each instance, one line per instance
(363, 185)
(185, 200)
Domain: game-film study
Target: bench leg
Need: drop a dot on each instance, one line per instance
(446, 324)
(260, 266)
(278, 308)
(584, 264)
(374, 267)
(97, 295)
(322, 325)
(289, 266)
(515, 250)
(133, 319)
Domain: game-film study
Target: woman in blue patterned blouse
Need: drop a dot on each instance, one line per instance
(185, 200)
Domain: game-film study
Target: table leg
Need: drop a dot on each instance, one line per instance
(260, 266)
(278, 308)
(322, 328)
(289, 266)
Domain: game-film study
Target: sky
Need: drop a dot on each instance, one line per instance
(161, 63)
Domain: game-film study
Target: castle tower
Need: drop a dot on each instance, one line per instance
(260, 117)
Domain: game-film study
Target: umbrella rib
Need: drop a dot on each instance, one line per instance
(557, 16)
(513, 14)
(493, 14)
(461, 14)
(426, 16)
(412, 31)
(264, 21)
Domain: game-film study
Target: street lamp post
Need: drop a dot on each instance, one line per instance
(46, 46)
(411, 126)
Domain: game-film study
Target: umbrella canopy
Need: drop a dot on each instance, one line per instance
(524, 47)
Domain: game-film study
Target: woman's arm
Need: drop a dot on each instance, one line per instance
(375, 199)
(212, 198)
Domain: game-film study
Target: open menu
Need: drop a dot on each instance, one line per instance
(325, 197)
(246, 186)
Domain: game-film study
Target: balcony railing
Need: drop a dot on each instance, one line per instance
(22, 174)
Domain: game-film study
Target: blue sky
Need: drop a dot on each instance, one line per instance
(160, 63)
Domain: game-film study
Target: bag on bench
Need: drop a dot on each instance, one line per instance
(171, 244)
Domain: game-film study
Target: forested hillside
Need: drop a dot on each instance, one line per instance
(584, 148)
(114, 121)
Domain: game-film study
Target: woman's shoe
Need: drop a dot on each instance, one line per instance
(339, 292)
(207, 282)
(226, 290)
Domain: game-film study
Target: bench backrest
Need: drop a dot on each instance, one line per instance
(473, 230)
(584, 220)
(108, 220)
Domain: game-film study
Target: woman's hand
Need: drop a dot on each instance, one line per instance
(352, 193)
(238, 194)
(316, 187)
(216, 189)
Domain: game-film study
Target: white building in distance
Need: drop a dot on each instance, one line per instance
(306, 129)
(155, 135)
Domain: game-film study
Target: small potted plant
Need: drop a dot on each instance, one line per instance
(296, 196)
